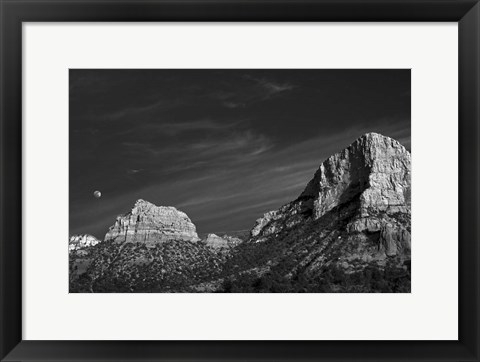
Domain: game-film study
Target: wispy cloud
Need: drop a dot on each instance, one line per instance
(126, 112)
(270, 87)
(232, 146)
(254, 90)
(154, 128)
(246, 139)
(208, 125)
(160, 104)
(141, 149)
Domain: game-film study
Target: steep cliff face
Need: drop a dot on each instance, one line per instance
(372, 178)
(77, 242)
(375, 167)
(148, 223)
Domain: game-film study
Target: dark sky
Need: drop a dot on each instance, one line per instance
(224, 146)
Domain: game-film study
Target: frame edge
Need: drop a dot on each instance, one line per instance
(11, 176)
(469, 177)
(10, 188)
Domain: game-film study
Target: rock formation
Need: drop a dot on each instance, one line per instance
(77, 242)
(375, 167)
(217, 242)
(147, 223)
(373, 176)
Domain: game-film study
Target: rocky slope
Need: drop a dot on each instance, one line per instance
(348, 231)
(147, 223)
(169, 266)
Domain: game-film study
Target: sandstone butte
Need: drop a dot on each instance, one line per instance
(148, 223)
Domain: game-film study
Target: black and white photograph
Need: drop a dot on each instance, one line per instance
(239, 181)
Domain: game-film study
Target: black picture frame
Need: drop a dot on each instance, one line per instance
(14, 12)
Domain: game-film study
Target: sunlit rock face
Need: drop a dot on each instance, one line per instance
(216, 242)
(372, 176)
(77, 242)
(148, 223)
(375, 167)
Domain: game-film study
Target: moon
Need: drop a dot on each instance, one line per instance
(97, 194)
